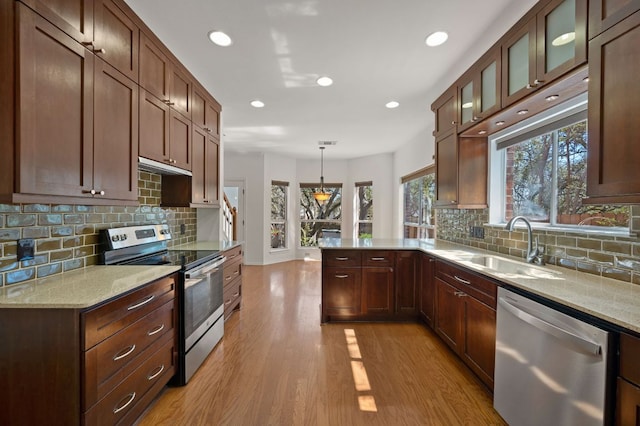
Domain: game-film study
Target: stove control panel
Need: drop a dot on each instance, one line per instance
(135, 235)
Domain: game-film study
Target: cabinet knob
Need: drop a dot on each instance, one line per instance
(168, 102)
(101, 193)
(453, 201)
(454, 122)
(474, 119)
(206, 129)
(102, 51)
(92, 191)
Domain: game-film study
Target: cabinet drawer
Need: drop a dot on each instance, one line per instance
(158, 367)
(378, 258)
(127, 346)
(629, 356)
(232, 294)
(108, 319)
(233, 253)
(483, 290)
(341, 258)
(231, 271)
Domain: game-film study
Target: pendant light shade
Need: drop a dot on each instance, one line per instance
(321, 196)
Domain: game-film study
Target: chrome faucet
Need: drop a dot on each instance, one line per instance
(533, 255)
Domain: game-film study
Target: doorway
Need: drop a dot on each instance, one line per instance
(234, 190)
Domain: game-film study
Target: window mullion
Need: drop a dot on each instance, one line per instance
(553, 207)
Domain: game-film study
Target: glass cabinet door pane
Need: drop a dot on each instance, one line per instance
(519, 64)
(560, 34)
(488, 94)
(467, 103)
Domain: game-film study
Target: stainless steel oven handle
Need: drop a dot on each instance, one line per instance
(208, 269)
(578, 342)
(190, 282)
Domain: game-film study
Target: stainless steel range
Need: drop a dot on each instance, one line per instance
(200, 322)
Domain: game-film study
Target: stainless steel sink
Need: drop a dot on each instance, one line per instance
(511, 267)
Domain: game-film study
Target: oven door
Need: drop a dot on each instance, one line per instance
(202, 299)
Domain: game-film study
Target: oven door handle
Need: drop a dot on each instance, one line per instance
(190, 282)
(202, 273)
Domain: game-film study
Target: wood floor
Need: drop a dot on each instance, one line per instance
(276, 365)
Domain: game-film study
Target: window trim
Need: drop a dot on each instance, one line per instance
(281, 221)
(308, 185)
(408, 178)
(356, 204)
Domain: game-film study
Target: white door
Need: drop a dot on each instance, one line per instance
(234, 189)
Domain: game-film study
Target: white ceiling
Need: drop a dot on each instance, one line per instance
(373, 49)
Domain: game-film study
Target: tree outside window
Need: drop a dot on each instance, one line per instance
(545, 180)
(279, 197)
(364, 209)
(319, 220)
(419, 197)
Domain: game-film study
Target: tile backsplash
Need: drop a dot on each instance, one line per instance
(66, 236)
(605, 255)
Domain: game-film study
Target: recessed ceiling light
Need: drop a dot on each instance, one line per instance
(500, 123)
(219, 38)
(563, 39)
(392, 104)
(523, 111)
(437, 38)
(551, 98)
(324, 81)
(467, 105)
(257, 103)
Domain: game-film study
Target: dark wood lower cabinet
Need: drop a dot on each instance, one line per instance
(427, 290)
(341, 292)
(407, 283)
(448, 314)
(479, 339)
(377, 291)
(628, 386)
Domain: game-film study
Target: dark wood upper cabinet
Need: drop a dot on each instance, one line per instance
(613, 175)
(116, 38)
(154, 128)
(155, 69)
(54, 118)
(604, 14)
(447, 171)
(445, 109)
(74, 17)
(180, 91)
(543, 48)
(205, 112)
(479, 90)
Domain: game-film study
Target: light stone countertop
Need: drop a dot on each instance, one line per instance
(208, 245)
(614, 301)
(81, 288)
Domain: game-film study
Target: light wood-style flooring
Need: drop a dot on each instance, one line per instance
(276, 365)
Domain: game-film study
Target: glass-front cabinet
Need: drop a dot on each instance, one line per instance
(544, 48)
(479, 92)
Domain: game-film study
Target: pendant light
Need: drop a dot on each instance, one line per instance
(321, 196)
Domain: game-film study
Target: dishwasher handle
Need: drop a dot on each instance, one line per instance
(580, 343)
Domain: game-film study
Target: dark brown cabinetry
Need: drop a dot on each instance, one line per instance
(604, 14)
(445, 109)
(377, 283)
(341, 284)
(479, 90)
(102, 365)
(613, 175)
(232, 276)
(406, 276)
(461, 172)
(88, 155)
(628, 383)
(427, 289)
(543, 47)
(466, 317)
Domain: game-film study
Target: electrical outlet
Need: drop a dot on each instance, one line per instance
(183, 229)
(26, 248)
(476, 232)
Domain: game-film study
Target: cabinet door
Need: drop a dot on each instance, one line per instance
(467, 104)
(341, 292)
(198, 106)
(427, 289)
(377, 291)
(54, 114)
(488, 87)
(628, 404)
(519, 63)
(115, 165)
(613, 175)
(447, 171)
(562, 38)
(406, 282)
(604, 14)
(472, 172)
(448, 314)
(180, 91)
(212, 172)
(155, 69)
(180, 140)
(212, 118)
(154, 128)
(445, 109)
(199, 165)
(116, 38)
(479, 339)
(74, 17)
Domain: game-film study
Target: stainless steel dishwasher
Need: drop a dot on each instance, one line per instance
(551, 369)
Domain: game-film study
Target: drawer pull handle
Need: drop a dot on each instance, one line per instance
(461, 280)
(236, 294)
(155, 330)
(342, 258)
(378, 259)
(460, 293)
(228, 277)
(144, 302)
(342, 276)
(124, 353)
(131, 397)
(227, 302)
(156, 374)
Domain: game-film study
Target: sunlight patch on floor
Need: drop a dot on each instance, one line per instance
(360, 378)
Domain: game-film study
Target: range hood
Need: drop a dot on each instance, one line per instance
(160, 168)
